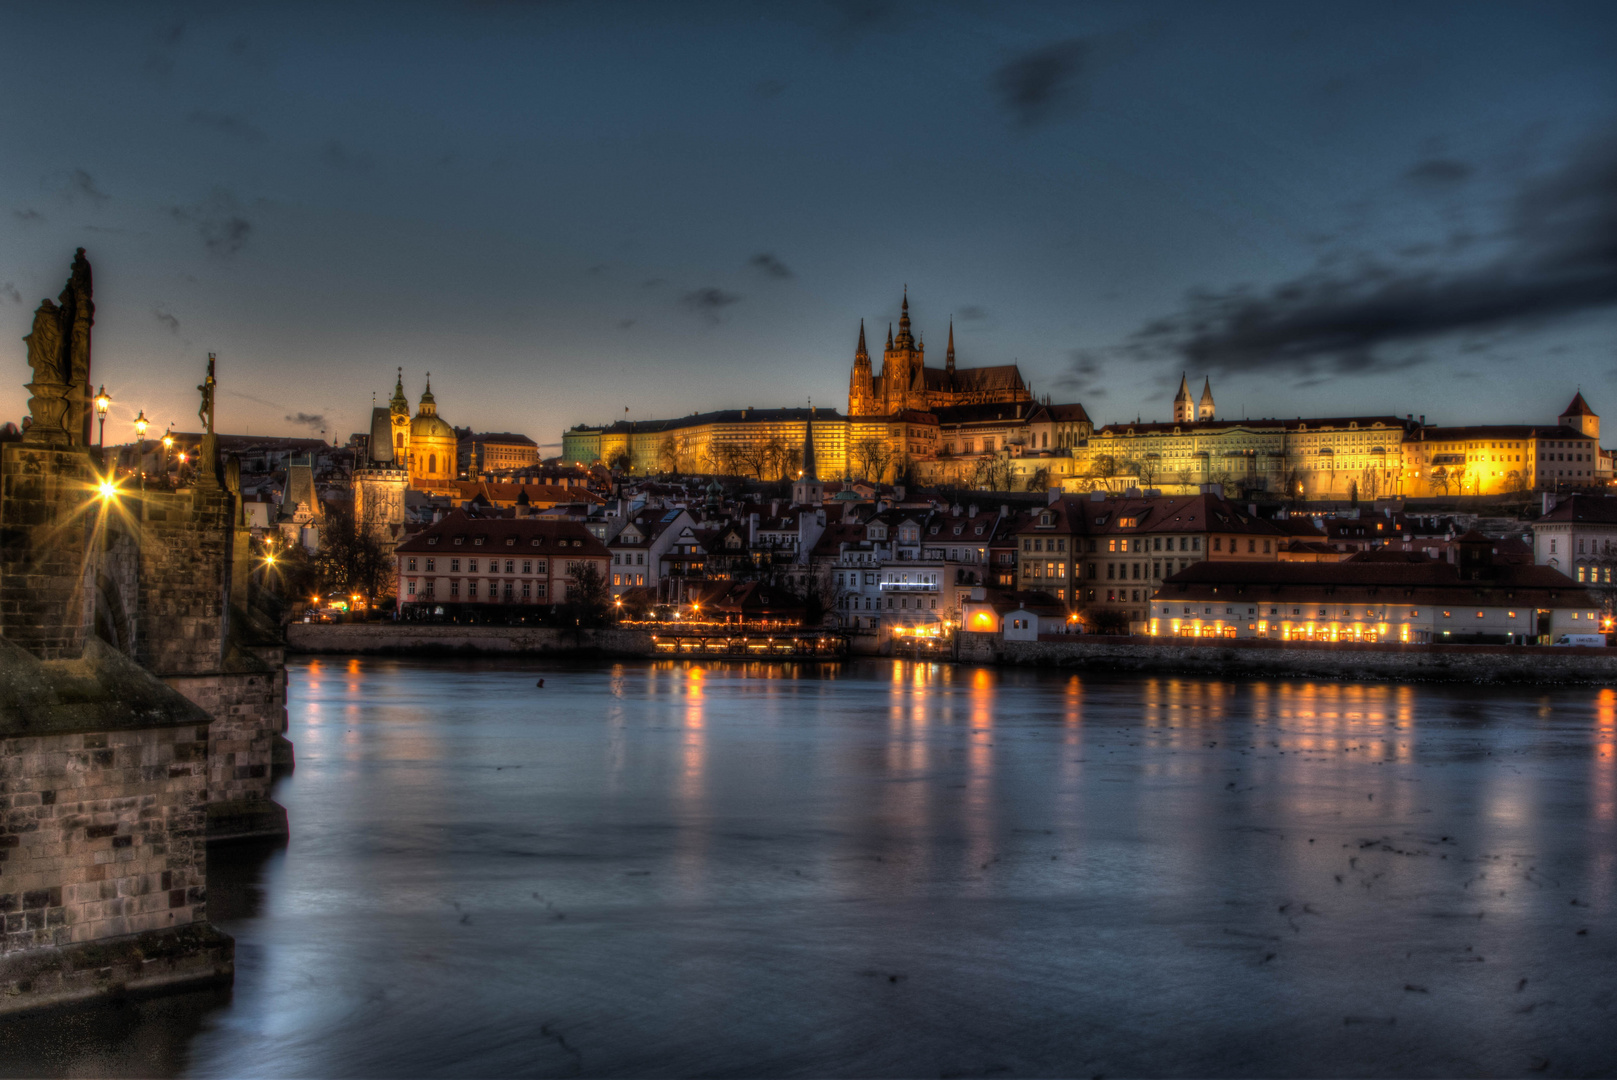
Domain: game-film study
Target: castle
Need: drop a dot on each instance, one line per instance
(906, 384)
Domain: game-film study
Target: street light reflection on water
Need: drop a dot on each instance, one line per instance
(881, 868)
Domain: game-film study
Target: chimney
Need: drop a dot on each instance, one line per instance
(1097, 495)
(752, 529)
(971, 511)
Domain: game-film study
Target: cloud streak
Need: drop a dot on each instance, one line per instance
(1031, 86)
(709, 302)
(766, 264)
(9, 291)
(1558, 259)
(167, 319)
(219, 221)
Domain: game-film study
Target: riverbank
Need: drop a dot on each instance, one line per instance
(1240, 658)
(1302, 660)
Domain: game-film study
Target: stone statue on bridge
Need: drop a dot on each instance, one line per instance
(59, 354)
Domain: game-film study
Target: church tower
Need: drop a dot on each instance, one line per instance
(808, 491)
(379, 484)
(399, 419)
(860, 393)
(948, 357)
(903, 384)
(1205, 410)
(1184, 407)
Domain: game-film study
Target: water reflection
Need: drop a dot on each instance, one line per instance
(885, 868)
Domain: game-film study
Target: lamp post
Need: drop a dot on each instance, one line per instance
(102, 404)
(141, 424)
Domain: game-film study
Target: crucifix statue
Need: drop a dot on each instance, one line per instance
(206, 411)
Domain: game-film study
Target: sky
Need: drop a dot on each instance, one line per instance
(564, 211)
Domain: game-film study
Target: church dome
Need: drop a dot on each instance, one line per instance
(430, 426)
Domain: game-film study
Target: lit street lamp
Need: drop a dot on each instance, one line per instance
(102, 404)
(141, 424)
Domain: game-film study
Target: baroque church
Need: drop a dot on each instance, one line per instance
(906, 384)
(403, 452)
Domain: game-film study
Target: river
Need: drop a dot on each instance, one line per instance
(895, 869)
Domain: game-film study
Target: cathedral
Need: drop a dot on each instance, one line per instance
(905, 383)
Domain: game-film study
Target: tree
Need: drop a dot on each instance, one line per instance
(753, 456)
(776, 458)
(620, 462)
(872, 457)
(668, 455)
(351, 559)
(589, 598)
(1039, 480)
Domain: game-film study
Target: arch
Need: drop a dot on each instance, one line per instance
(398, 440)
(111, 621)
(432, 464)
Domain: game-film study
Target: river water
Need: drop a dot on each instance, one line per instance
(895, 869)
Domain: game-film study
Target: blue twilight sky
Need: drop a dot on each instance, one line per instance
(565, 210)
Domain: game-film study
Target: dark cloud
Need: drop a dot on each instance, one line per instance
(167, 319)
(770, 266)
(709, 302)
(165, 42)
(624, 324)
(9, 291)
(343, 159)
(1439, 172)
(1032, 85)
(769, 88)
(1083, 375)
(973, 313)
(28, 215)
(312, 421)
(81, 185)
(227, 124)
(1557, 259)
(218, 221)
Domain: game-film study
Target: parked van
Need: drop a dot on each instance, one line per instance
(1597, 641)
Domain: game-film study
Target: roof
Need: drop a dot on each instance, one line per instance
(503, 437)
(508, 494)
(1420, 579)
(1501, 431)
(537, 535)
(995, 377)
(1579, 407)
(722, 416)
(1175, 513)
(1301, 424)
(1590, 509)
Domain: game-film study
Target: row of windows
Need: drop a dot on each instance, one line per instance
(922, 603)
(529, 566)
(530, 590)
(629, 558)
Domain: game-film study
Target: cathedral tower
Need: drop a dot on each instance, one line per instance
(860, 392)
(1184, 407)
(1205, 410)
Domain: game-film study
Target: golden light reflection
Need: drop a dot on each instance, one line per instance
(1605, 756)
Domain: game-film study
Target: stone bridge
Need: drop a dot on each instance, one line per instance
(142, 696)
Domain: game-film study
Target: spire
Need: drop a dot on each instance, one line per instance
(904, 340)
(1205, 411)
(889, 336)
(399, 403)
(860, 353)
(948, 357)
(429, 404)
(1184, 407)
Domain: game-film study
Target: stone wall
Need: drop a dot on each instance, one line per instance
(446, 639)
(186, 550)
(43, 539)
(1270, 659)
(103, 858)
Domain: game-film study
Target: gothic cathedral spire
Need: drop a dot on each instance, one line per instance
(948, 357)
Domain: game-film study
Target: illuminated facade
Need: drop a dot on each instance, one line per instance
(1414, 601)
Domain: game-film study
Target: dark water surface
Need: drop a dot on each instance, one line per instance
(904, 870)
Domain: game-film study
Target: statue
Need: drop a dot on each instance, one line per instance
(59, 355)
(206, 411)
(45, 344)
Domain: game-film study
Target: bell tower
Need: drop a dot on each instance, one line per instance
(398, 409)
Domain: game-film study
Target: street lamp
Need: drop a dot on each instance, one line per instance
(141, 424)
(102, 404)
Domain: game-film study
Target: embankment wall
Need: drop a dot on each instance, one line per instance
(439, 639)
(1262, 659)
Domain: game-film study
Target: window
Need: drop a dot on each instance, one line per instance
(454, 566)
(1195, 543)
(510, 566)
(429, 564)
(410, 587)
(1218, 543)
(527, 566)
(539, 589)
(454, 587)
(471, 566)
(539, 568)
(411, 563)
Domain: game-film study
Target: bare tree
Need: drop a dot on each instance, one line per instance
(1039, 479)
(872, 456)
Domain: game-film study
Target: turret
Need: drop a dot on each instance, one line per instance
(1205, 410)
(1579, 417)
(859, 381)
